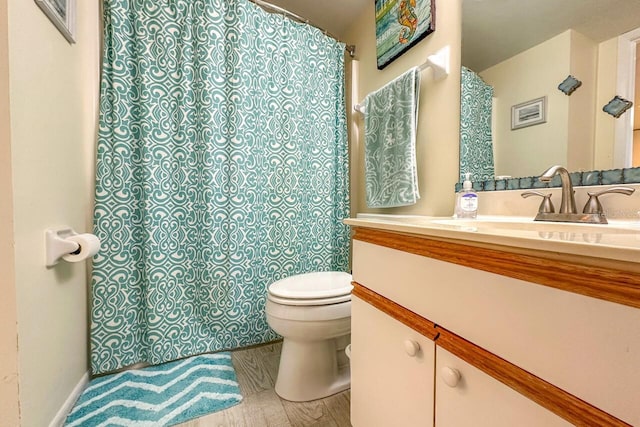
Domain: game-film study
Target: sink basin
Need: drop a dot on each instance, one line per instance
(619, 240)
(508, 224)
(523, 224)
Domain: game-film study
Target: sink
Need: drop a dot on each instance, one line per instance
(619, 240)
(525, 224)
(507, 224)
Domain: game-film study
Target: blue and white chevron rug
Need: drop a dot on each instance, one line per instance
(162, 395)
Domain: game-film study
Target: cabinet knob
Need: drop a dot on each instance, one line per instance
(411, 347)
(450, 376)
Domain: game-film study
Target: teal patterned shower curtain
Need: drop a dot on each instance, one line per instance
(476, 142)
(221, 167)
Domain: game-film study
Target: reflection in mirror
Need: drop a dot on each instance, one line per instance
(522, 50)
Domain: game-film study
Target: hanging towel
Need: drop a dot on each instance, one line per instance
(391, 176)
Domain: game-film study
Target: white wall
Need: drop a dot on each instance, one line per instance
(582, 106)
(439, 112)
(53, 101)
(570, 126)
(531, 74)
(9, 410)
(605, 124)
(609, 152)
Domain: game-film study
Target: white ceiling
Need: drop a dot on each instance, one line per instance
(335, 16)
(494, 30)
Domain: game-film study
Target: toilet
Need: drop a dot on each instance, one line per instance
(312, 312)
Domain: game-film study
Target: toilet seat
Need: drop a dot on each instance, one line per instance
(314, 301)
(319, 288)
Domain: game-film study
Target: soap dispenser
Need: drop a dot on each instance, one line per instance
(466, 200)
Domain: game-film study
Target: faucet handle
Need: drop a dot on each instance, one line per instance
(593, 205)
(546, 206)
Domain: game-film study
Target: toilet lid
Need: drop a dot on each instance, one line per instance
(313, 286)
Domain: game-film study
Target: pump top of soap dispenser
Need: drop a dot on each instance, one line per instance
(467, 185)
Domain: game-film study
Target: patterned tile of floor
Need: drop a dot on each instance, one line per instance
(256, 369)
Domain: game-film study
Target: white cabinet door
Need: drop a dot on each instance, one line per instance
(392, 366)
(466, 396)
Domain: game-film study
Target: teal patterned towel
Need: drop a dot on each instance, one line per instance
(390, 123)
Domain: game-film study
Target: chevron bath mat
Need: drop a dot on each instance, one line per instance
(162, 395)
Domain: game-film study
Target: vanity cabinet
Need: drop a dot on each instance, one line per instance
(538, 354)
(393, 365)
(397, 374)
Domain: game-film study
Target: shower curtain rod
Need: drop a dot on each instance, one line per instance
(265, 5)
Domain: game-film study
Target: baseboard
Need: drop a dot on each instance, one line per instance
(61, 416)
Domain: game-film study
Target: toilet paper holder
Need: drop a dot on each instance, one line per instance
(57, 245)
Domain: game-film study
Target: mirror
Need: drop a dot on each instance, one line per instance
(524, 49)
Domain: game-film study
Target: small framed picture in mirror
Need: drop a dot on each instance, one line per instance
(529, 113)
(62, 14)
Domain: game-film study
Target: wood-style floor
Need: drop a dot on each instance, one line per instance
(256, 369)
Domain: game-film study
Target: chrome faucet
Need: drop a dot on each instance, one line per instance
(568, 204)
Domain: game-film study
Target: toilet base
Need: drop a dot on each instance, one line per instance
(312, 370)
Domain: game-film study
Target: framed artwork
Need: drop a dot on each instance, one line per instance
(63, 15)
(400, 24)
(529, 113)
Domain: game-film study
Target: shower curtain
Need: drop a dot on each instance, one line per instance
(476, 144)
(221, 167)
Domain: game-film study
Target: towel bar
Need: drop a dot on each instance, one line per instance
(438, 62)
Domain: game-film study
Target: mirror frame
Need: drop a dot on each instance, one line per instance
(578, 179)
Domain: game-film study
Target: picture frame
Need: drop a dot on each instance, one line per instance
(62, 13)
(529, 113)
(400, 24)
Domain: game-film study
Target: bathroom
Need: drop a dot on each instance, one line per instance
(49, 92)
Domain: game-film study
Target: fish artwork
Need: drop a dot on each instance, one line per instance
(407, 19)
(400, 24)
